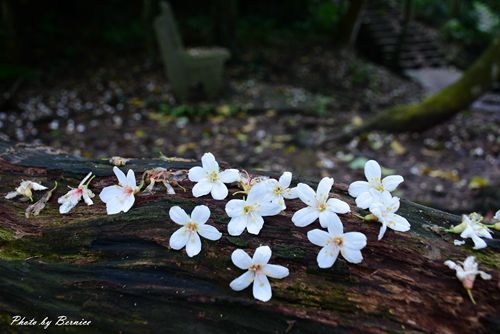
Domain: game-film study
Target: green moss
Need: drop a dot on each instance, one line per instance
(329, 297)
(289, 252)
(237, 241)
(6, 234)
(488, 257)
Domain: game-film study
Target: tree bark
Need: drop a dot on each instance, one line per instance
(119, 272)
(439, 107)
(350, 23)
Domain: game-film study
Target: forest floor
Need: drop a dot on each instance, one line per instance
(126, 108)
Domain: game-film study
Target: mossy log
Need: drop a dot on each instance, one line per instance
(119, 272)
(478, 79)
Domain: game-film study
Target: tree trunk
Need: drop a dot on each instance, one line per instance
(118, 272)
(350, 23)
(439, 107)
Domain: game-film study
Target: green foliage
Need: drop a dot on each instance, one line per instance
(475, 24)
(360, 73)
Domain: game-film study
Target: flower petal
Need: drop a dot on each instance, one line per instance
(209, 163)
(327, 218)
(324, 188)
(364, 200)
(202, 188)
(275, 271)
(262, 255)
(306, 194)
(354, 240)
(271, 208)
(66, 206)
(318, 237)
(196, 174)
(113, 206)
(122, 179)
(335, 227)
(131, 179)
(338, 206)
(262, 288)
(327, 256)
(242, 281)
(219, 190)
(178, 215)
(290, 193)
(255, 224)
(193, 246)
(87, 197)
(179, 238)
(200, 214)
(398, 223)
(237, 225)
(241, 259)
(351, 255)
(209, 232)
(372, 170)
(285, 180)
(110, 193)
(229, 175)
(128, 202)
(382, 230)
(260, 192)
(305, 216)
(358, 187)
(391, 182)
(38, 186)
(234, 208)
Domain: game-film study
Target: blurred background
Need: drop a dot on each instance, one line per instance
(264, 85)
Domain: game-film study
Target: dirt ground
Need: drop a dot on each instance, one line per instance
(125, 108)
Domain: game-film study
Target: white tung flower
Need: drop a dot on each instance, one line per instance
(467, 274)
(247, 213)
(25, 189)
(258, 269)
(497, 215)
(335, 241)
(361, 189)
(280, 189)
(385, 211)
(72, 197)
(318, 205)
(192, 227)
(210, 179)
(120, 197)
(475, 230)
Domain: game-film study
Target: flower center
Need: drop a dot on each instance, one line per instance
(339, 241)
(191, 226)
(256, 268)
(247, 209)
(278, 190)
(129, 190)
(322, 206)
(213, 177)
(375, 183)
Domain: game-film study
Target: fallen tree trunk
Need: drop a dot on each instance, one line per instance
(118, 272)
(439, 107)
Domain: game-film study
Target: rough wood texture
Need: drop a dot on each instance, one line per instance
(119, 272)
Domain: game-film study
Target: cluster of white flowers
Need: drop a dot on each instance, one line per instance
(264, 197)
(375, 195)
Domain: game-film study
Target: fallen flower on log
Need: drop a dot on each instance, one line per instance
(467, 274)
(25, 189)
